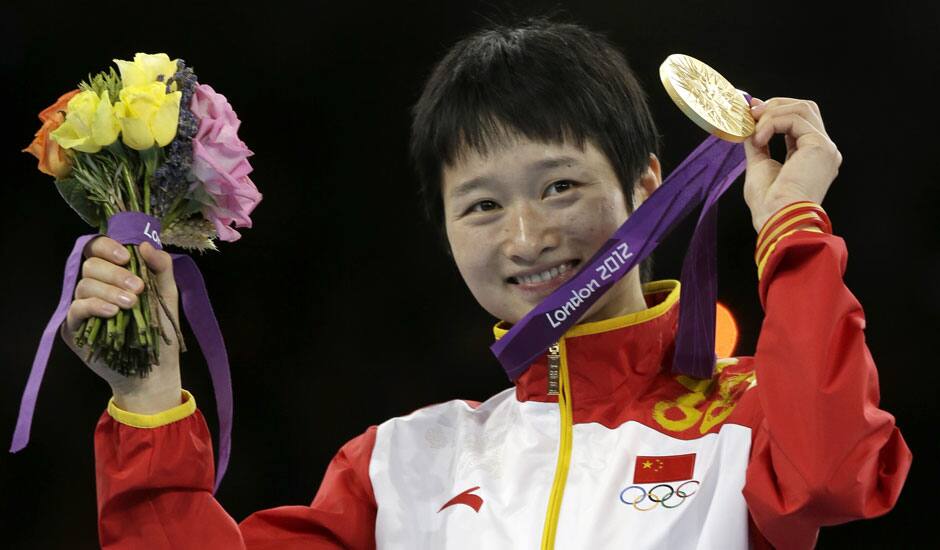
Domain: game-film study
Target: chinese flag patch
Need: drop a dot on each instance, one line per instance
(660, 469)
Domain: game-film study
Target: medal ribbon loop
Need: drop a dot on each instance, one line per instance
(703, 176)
(135, 228)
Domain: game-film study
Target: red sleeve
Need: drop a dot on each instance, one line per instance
(823, 453)
(155, 491)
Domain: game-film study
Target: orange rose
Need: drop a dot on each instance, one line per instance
(52, 159)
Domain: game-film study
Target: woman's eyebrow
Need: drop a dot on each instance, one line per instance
(551, 162)
(540, 165)
(470, 186)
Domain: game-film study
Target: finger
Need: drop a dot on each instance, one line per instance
(84, 308)
(809, 103)
(755, 153)
(778, 106)
(92, 288)
(107, 248)
(791, 146)
(751, 149)
(759, 107)
(792, 124)
(803, 109)
(107, 272)
(815, 108)
(790, 101)
(160, 263)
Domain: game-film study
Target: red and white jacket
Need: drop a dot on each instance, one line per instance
(770, 449)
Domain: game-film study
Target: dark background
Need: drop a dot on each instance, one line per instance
(339, 310)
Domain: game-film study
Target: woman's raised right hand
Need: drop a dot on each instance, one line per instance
(107, 285)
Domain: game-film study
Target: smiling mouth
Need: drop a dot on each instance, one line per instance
(544, 276)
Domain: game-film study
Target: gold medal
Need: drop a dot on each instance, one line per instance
(707, 98)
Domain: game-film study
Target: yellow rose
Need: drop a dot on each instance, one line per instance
(148, 114)
(146, 68)
(89, 124)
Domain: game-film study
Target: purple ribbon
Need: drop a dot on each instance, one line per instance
(704, 175)
(135, 228)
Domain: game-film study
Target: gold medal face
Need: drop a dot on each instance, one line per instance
(707, 98)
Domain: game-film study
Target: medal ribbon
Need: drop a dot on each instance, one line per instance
(703, 176)
(135, 228)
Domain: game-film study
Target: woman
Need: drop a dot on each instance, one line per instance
(533, 144)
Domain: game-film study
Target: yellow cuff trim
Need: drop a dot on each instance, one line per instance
(156, 420)
(783, 212)
(776, 233)
(770, 250)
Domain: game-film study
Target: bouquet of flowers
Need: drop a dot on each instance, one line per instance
(147, 138)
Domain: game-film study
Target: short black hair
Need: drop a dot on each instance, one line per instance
(546, 80)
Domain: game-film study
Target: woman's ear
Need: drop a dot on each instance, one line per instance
(648, 182)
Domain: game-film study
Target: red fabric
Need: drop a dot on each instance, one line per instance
(608, 369)
(822, 451)
(155, 491)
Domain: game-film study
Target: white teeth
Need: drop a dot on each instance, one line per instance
(545, 275)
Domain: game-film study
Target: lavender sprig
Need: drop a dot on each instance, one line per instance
(172, 179)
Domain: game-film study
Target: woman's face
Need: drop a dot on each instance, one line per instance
(523, 219)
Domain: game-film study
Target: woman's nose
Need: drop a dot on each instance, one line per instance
(528, 234)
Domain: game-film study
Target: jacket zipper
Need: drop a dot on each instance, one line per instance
(554, 368)
(558, 382)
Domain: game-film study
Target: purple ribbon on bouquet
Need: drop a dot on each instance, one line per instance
(135, 228)
(704, 175)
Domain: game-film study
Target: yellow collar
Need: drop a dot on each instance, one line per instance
(604, 325)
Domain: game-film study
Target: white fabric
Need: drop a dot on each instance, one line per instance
(510, 450)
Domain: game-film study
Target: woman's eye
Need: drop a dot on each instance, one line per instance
(483, 206)
(561, 186)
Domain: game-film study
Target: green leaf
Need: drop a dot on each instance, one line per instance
(109, 80)
(188, 208)
(193, 203)
(74, 194)
(201, 196)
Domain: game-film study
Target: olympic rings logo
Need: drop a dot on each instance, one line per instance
(634, 495)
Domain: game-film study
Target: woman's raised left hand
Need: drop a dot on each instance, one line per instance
(810, 167)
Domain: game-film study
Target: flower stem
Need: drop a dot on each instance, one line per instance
(112, 328)
(173, 212)
(81, 335)
(131, 190)
(140, 317)
(124, 317)
(151, 159)
(147, 177)
(96, 325)
(176, 328)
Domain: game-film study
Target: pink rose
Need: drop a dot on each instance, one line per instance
(220, 163)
